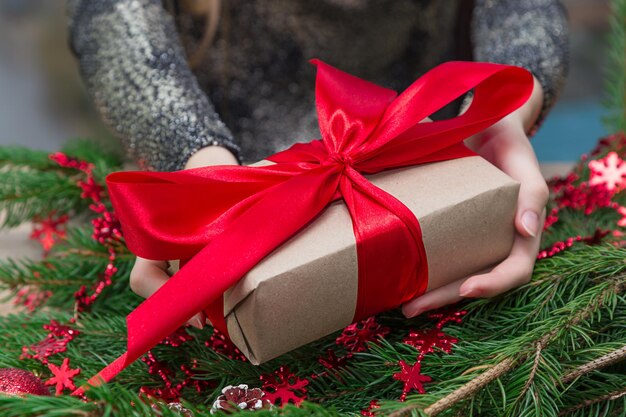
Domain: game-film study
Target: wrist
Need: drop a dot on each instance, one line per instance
(531, 110)
(211, 155)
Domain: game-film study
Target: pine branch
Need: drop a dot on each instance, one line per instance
(599, 363)
(612, 396)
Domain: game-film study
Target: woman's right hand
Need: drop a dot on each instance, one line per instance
(147, 276)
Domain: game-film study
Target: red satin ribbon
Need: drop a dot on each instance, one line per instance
(228, 218)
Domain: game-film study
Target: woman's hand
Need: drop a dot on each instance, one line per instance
(147, 276)
(505, 145)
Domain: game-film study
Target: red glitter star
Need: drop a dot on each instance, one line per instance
(356, 336)
(63, 376)
(412, 378)
(284, 387)
(426, 341)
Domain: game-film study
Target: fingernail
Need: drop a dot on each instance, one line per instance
(530, 221)
(467, 292)
(412, 313)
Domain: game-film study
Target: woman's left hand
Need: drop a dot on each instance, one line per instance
(505, 145)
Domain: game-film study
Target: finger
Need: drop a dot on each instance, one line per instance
(519, 161)
(147, 276)
(448, 294)
(514, 271)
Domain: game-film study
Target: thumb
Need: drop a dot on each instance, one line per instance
(533, 196)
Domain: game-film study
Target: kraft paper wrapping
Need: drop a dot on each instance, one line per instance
(307, 288)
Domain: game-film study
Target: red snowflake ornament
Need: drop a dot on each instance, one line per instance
(63, 376)
(412, 377)
(284, 387)
(609, 171)
(426, 341)
(356, 336)
(91, 189)
(49, 231)
(55, 342)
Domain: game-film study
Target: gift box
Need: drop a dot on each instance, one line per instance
(307, 288)
(376, 212)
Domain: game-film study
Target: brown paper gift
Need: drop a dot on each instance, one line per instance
(307, 288)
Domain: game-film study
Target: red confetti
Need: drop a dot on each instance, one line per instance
(585, 197)
(284, 387)
(49, 231)
(368, 412)
(356, 336)
(412, 377)
(609, 172)
(63, 376)
(426, 341)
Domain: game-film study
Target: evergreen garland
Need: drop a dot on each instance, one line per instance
(553, 347)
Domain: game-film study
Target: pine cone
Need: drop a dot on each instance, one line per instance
(240, 397)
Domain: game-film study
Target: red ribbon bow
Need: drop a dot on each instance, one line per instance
(228, 218)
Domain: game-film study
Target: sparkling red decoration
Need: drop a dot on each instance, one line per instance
(356, 336)
(63, 376)
(412, 377)
(19, 382)
(107, 228)
(332, 363)
(609, 172)
(49, 231)
(177, 338)
(69, 162)
(447, 315)
(284, 387)
(426, 341)
(222, 345)
(83, 299)
(55, 342)
(369, 411)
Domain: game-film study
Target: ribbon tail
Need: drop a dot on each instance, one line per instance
(223, 261)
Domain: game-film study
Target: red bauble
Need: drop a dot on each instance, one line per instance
(18, 381)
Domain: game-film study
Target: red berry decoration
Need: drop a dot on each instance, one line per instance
(19, 382)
